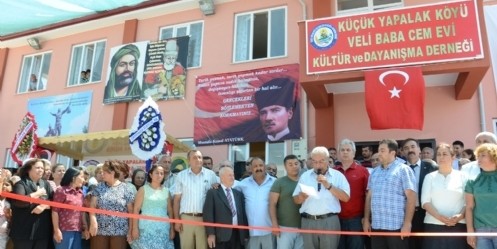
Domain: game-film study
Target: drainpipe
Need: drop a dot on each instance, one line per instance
(483, 125)
(304, 95)
(304, 9)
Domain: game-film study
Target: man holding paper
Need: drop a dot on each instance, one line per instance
(320, 191)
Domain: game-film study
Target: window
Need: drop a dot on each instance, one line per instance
(66, 161)
(188, 142)
(260, 35)
(195, 31)
(494, 122)
(34, 72)
(9, 162)
(238, 152)
(269, 152)
(355, 6)
(275, 152)
(86, 63)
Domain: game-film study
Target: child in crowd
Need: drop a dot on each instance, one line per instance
(5, 214)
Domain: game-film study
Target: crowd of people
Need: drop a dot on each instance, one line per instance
(401, 189)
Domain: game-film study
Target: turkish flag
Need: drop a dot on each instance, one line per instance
(395, 98)
(168, 148)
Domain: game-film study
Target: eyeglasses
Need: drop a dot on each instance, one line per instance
(322, 161)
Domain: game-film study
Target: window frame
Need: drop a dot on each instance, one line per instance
(188, 142)
(65, 160)
(186, 25)
(83, 45)
(39, 73)
(369, 8)
(9, 163)
(268, 42)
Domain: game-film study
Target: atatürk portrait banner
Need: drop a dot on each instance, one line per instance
(248, 106)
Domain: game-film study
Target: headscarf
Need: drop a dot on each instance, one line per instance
(134, 88)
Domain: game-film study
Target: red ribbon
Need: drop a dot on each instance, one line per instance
(189, 222)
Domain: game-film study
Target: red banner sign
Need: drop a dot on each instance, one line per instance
(249, 106)
(443, 32)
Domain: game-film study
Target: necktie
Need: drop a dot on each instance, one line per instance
(230, 201)
(413, 166)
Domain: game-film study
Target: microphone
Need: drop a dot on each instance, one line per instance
(319, 184)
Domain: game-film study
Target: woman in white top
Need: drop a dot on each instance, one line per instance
(443, 199)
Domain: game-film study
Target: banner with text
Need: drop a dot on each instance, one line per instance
(447, 31)
(249, 106)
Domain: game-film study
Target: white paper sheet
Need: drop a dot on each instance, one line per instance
(310, 191)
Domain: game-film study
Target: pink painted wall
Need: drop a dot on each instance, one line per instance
(445, 118)
(216, 58)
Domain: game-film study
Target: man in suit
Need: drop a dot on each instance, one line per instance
(225, 205)
(421, 169)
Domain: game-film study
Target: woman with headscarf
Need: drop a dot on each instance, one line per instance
(31, 225)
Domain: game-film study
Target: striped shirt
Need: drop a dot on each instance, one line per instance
(169, 182)
(388, 199)
(193, 188)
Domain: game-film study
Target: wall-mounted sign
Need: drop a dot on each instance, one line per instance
(443, 32)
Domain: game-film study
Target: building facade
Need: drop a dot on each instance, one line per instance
(239, 36)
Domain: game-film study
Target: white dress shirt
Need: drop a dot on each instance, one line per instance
(324, 202)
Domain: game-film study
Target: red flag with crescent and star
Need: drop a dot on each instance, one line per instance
(395, 98)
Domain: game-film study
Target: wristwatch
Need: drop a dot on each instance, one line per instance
(328, 188)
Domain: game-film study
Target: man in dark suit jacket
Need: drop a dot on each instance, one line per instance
(225, 205)
(421, 169)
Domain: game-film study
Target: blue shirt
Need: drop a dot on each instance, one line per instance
(257, 203)
(388, 199)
